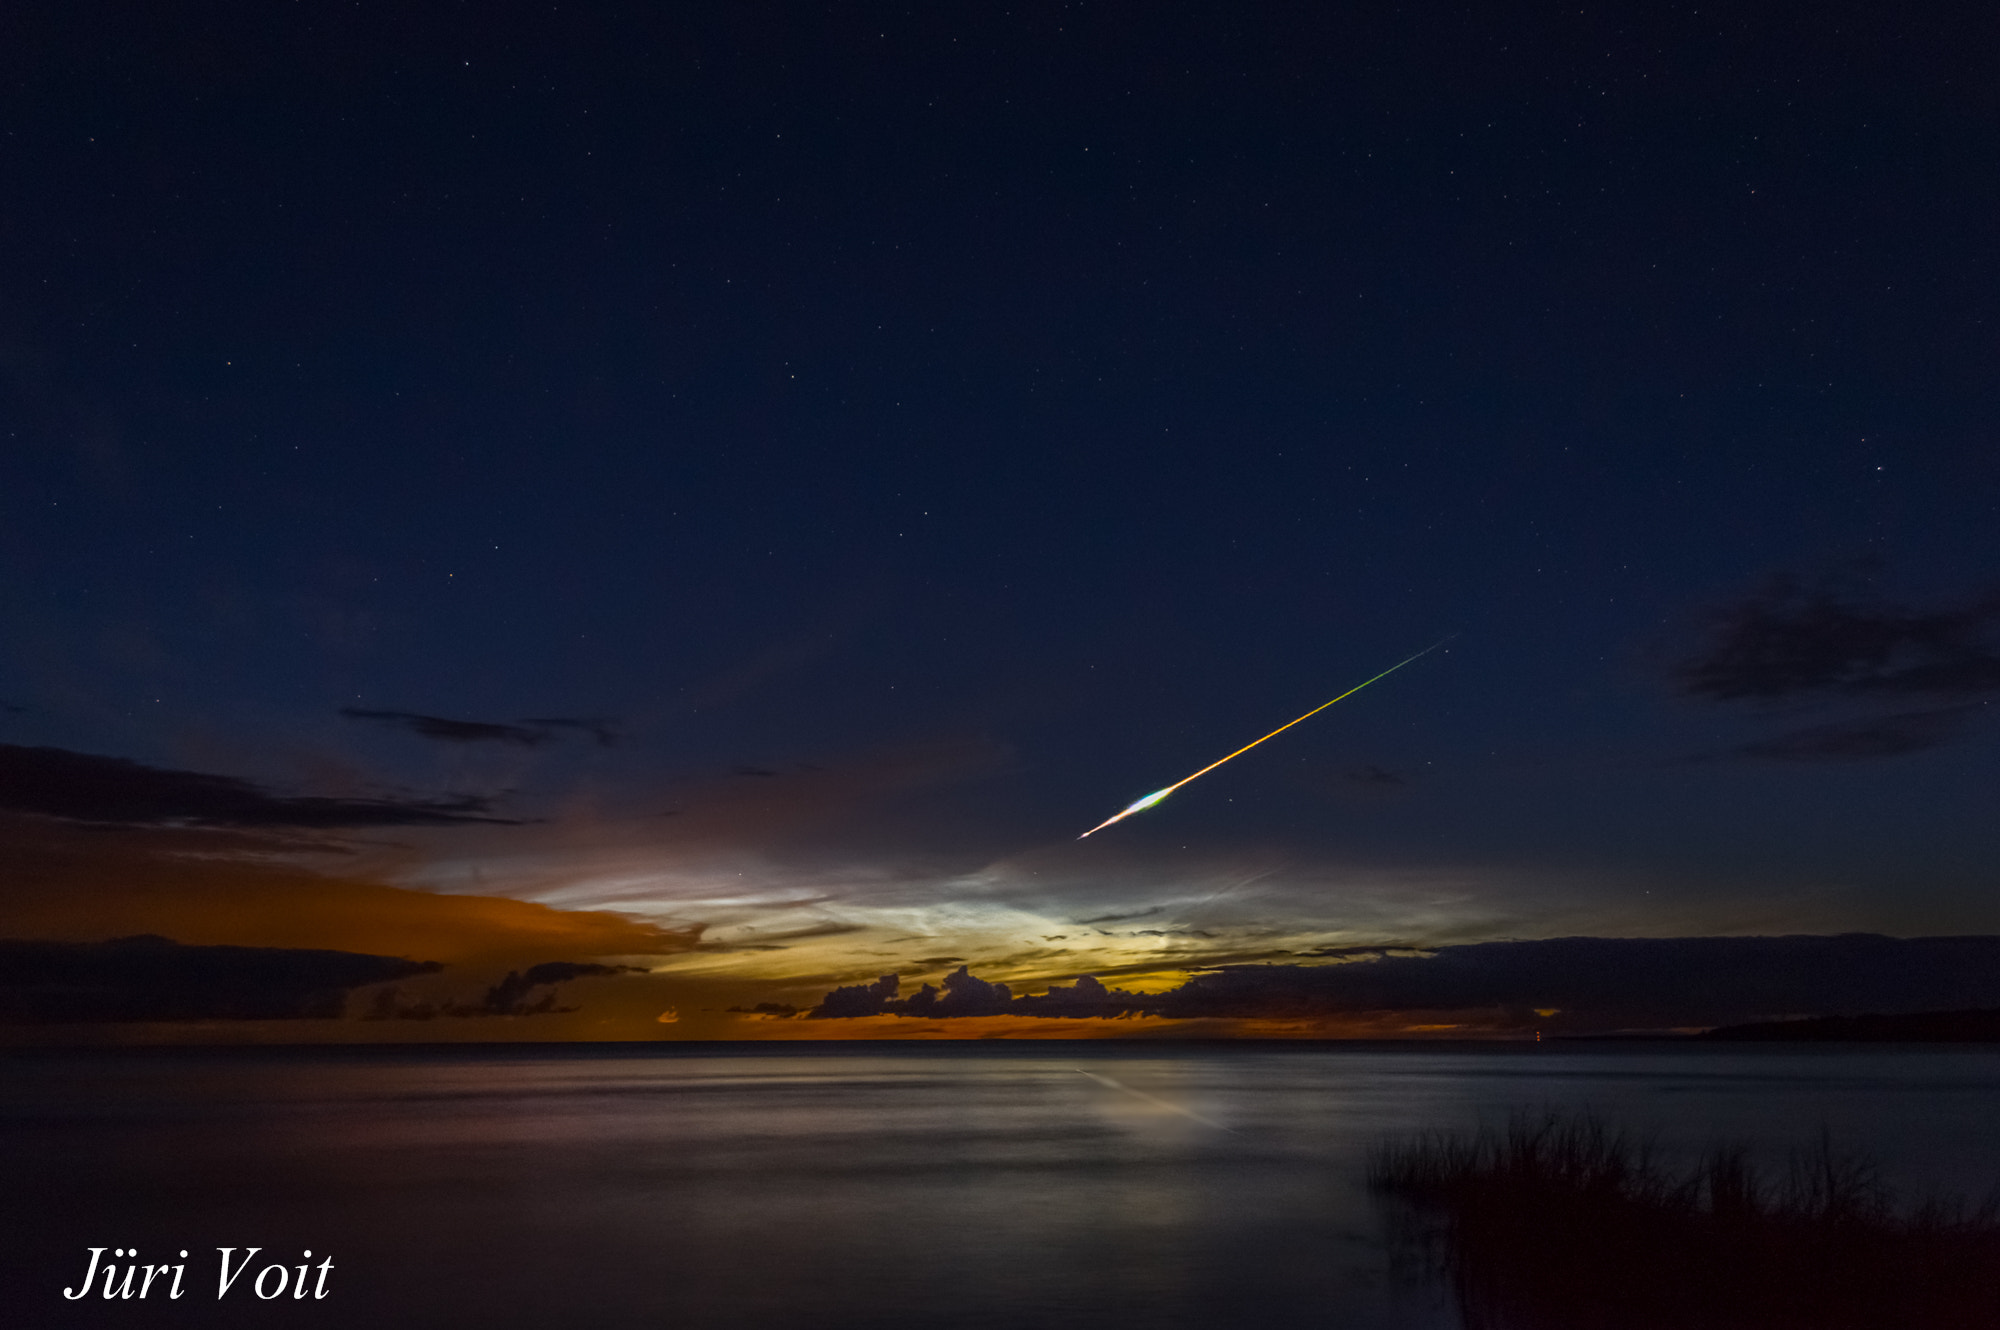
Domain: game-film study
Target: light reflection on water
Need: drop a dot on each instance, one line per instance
(1044, 1186)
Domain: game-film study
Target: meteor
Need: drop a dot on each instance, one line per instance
(1157, 795)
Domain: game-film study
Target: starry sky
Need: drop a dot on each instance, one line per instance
(715, 499)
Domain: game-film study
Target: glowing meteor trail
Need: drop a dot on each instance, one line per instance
(1143, 804)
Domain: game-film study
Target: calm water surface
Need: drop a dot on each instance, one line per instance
(986, 1186)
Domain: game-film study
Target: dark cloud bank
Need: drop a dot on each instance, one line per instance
(151, 978)
(1589, 984)
(84, 787)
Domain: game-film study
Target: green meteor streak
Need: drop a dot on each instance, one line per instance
(1156, 796)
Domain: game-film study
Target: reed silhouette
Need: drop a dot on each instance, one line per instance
(1564, 1222)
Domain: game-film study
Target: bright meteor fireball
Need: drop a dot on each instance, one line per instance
(1141, 805)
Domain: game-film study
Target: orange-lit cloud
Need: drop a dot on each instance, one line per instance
(64, 881)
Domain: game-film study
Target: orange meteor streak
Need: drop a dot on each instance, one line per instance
(1142, 805)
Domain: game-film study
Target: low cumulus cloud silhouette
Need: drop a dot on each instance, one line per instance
(85, 787)
(859, 1000)
(512, 996)
(1579, 984)
(965, 994)
(148, 978)
(1086, 997)
(774, 1011)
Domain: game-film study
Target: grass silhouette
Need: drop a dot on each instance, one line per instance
(1563, 1222)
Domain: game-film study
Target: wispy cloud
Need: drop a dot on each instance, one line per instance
(527, 733)
(601, 728)
(445, 730)
(1861, 740)
(1793, 640)
(1146, 913)
(1825, 645)
(86, 787)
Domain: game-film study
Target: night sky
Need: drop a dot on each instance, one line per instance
(715, 499)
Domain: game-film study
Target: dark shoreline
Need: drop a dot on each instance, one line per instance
(1972, 1026)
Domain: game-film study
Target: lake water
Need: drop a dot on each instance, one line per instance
(990, 1185)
